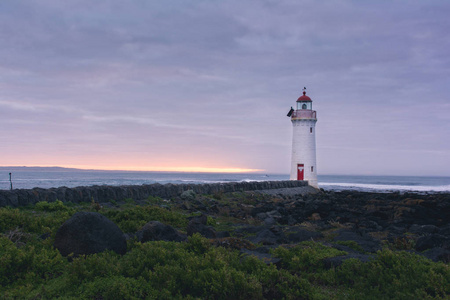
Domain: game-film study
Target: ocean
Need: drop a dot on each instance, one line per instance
(27, 178)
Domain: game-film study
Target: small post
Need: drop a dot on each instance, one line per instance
(10, 181)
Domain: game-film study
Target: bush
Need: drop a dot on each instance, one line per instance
(133, 218)
(395, 275)
(30, 268)
(191, 269)
(33, 222)
(154, 200)
(306, 257)
(52, 206)
(11, 218)
(36, 262)
(351, 244)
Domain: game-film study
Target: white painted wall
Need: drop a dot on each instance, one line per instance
(304, 149)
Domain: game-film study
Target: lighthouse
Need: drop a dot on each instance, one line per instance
(303, 162)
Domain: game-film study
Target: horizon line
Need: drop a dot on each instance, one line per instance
(149, 169)
(211, 170)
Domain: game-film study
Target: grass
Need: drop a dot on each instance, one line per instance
(31, 268)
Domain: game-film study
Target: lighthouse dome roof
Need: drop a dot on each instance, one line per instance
(304, 97)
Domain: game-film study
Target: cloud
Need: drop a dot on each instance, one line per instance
(219, 77)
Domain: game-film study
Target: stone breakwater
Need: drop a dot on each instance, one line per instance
(101, 194)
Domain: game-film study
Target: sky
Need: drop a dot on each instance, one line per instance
(206, 85)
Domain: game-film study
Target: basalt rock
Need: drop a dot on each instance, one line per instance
(157, 231)
(438, 254)
(198, 224)
(297, 235)
(265, 237)
(265, 256)
(336, 261)
(100, 194)
(366, 242)
(423, 229)
(432, 241)
(88, 233)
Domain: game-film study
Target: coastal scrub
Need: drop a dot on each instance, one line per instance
(31, 268)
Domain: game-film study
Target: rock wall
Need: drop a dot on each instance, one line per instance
(104, 193)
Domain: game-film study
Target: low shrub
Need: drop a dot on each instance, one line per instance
(392, 275)
(11, 218)
(51, 206)
(352, 245)
(36, 262)
(31, 268)
(131, 219)
(155, 200)
(306, 256)
(31, 221)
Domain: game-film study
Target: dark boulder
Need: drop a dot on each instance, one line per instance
(266, 257)
(157, 231)
(261, 215)
(332, 262)
(223, 234)
(432, 241)
(369, 225)
(89, 233)
(438, 254)
(296, 235)
(366, 242)
(445, 230)
(265, 237)
(198, 224)
(347, 249)
(249, 229)
(269, 221)
(423, 229)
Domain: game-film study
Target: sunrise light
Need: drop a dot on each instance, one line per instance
(160, 169)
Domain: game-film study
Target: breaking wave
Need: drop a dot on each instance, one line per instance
(382, 187)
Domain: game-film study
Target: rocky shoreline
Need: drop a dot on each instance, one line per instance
(104, 193)
(286, 242)
(359, 223)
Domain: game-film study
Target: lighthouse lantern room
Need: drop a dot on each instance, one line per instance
(303, 162)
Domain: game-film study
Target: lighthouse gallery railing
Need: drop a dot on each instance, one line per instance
(304, 114)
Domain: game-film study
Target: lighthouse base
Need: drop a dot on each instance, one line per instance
(311, 182)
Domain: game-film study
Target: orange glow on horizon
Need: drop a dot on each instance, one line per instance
(158, 169)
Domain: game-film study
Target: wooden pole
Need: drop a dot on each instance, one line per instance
(10, 181)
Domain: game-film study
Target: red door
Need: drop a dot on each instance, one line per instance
(300, 171)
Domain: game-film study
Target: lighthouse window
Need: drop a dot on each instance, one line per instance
(312, 169)
(310, 129)
(304, 106)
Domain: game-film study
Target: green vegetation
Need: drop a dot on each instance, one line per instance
(351, 244)
(30, 268)
(132, 218)
(52, 206)
(395, 275)
(306, 257)
(389, 275)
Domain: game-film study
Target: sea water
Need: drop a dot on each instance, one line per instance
(27, 178)
(385, 183)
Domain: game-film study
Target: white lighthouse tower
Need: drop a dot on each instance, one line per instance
(303, 163)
